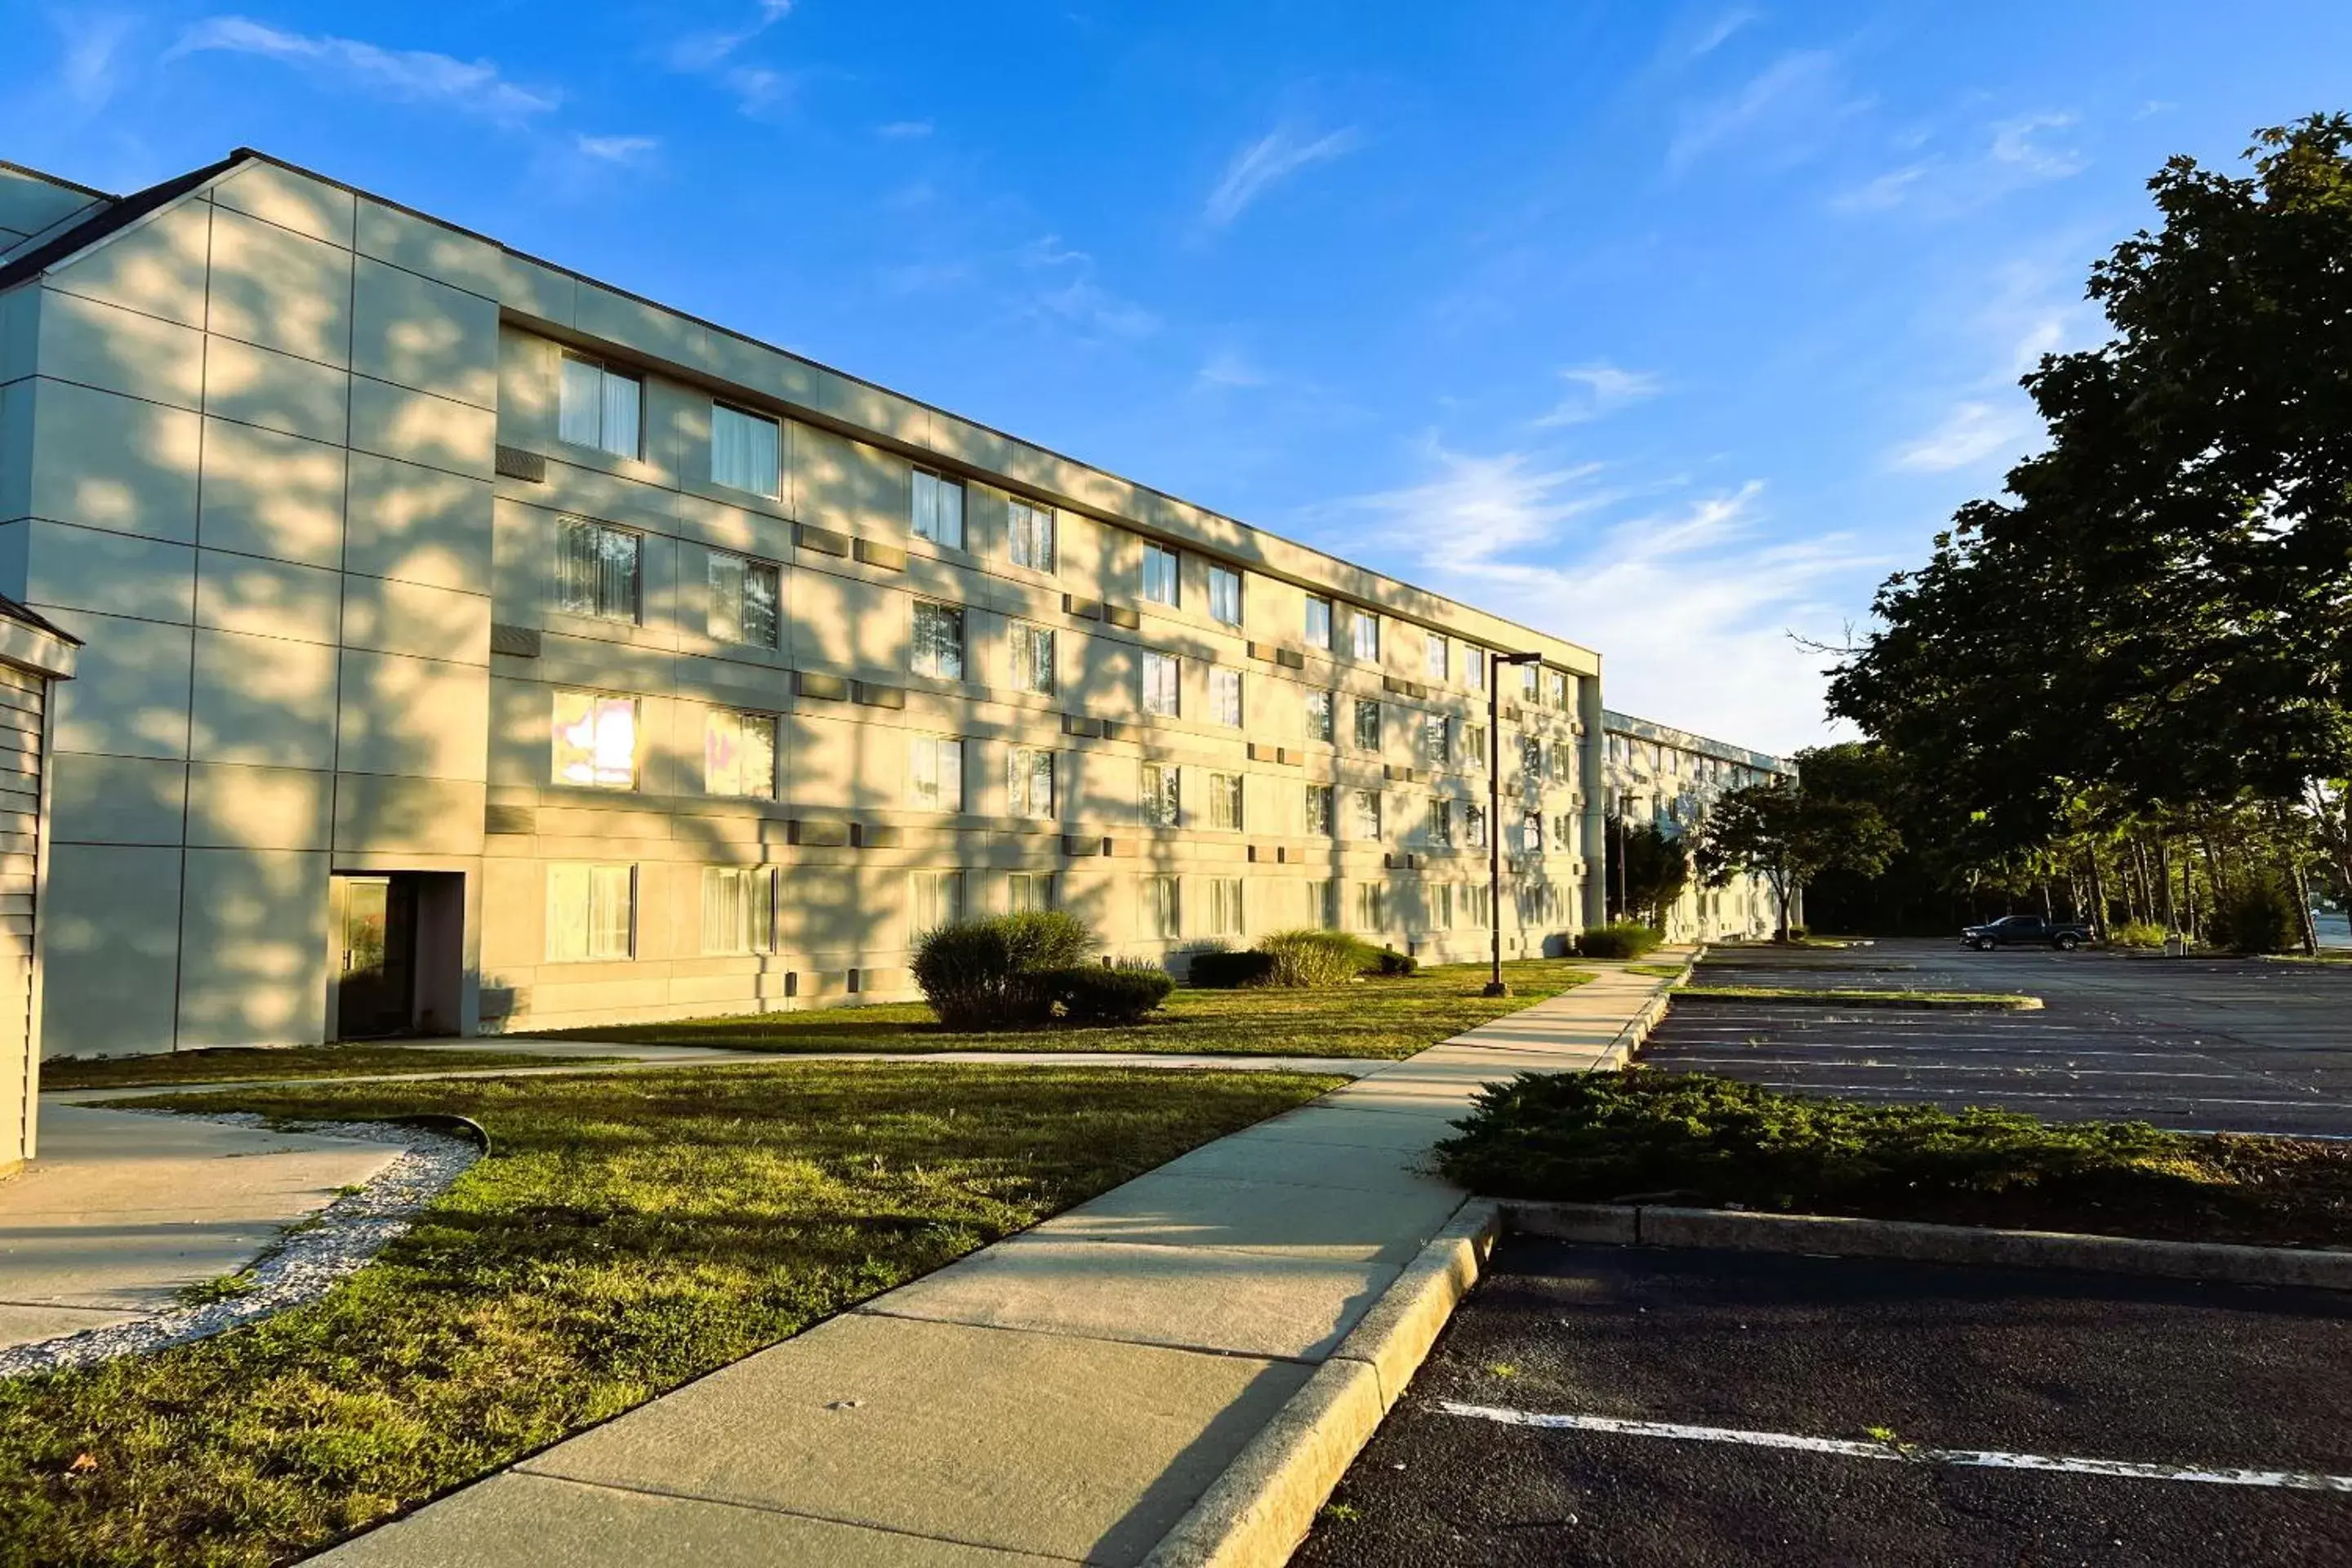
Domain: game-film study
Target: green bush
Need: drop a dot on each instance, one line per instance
(988, 973)
(2259, 916)
(2136, 933)
(1118, 993)
(1215, 969)
(1624, 939)
(1389, 961)
(1602, 1137)
(1317, 957)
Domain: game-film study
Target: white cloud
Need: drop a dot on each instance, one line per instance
(617, 149)
(1888, 190)
(710, 52)
(90, 57)
(1264, 162)
(2017, 145)
(1077, 300)
(1797, 94)
(1716, 33)
(1970, 432)
(904, 130)
(2014, 153)
(474, 86)
(1599, 388)
(1230, 367)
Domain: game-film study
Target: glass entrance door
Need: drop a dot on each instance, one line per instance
(375, 982)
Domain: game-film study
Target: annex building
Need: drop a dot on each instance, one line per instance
(1655, 775)
(467, 645)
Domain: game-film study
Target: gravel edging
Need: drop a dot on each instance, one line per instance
(312, 1255)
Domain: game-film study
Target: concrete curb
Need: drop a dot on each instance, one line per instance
(1620, 1050)
(1989, 1003)
(1824, 1235)
(1255, 1514)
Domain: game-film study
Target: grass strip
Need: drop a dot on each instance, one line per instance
(1708, 1141)
(631, 1232)
(226, 1064)
(1828, 996)
(1384, 1018)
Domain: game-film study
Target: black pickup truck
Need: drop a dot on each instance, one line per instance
(2026, 931)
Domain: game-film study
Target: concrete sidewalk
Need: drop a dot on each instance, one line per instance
(121, 1210)
(1061, 1396)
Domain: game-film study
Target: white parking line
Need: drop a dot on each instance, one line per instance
(1908, 1453)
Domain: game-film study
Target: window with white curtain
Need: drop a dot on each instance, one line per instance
(1225, 906)
(739, 908)
(1367, 724)
(1555, 689)
(600, 407)
(937, 646)
(745, 450)
(1031, 527)
(598, 570)
(1226, 595)
(591, 912)
(1029, 782)
(935, 772)
(1318, 622)
(1225, 697)
(1319, 707)
(1163, 684)
(1363, 813)
(935, 898)
(1473, 824)
(1364, 626)
(738, 754)
(1441, 823)
(1531, 832)
(937, 509)
(595, 739)
(1161, 800)
(1474, 667)
(1029, 892)
(1472, 747)
(1320, 819)
(1441, 907)
(1432, 740)
(1032, 658)
(1479, 904)
(1162, 581)
(1432, 660)
(1163, 908)
(745, 596)
(1372, 906)
(1225, 802)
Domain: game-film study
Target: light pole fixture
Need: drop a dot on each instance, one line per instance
(1501, 661)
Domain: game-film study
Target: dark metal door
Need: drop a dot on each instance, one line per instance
(376, 982)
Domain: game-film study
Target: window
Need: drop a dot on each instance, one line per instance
(1367, 724)
(1225, 802)
(738, 754)
(1441, 823)
(1319, 817)
(936, 510)
(595, 741)
(1163, 908)
(739, 908)
(1531, 832)
(1226, 595)
(591, 912)
(743, 450)
(1479, 904)
(1528, 679)
(1224, 906)
(1432, 660)
(1163, 675)
(1474, 667)
(939, 641)
(1561, 837)
(1473, 824)
(1320, 706)
(1563, 764)
(1032, 658)
(1556, 688)
(1161, 798)
(1372, 906)
(599, 407)
(1029, 892)
(1318, 622)
(1162, 584)
(1441, 907)
(935, 772)
(1225, 697)
(1531, 766)
(1029, 783)
(596, 569)
(1327, 905)
(744, 595)
(1032, 528)
(1432, 740)
(934, 898)
(1363, 813)
(1365, 628)
(1473, 747)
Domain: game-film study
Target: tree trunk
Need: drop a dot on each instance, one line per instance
(2164, 880)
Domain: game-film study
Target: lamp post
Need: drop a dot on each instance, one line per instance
(1499, 662)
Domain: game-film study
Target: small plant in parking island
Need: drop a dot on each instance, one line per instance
(1694, 1138)
(2136, 934)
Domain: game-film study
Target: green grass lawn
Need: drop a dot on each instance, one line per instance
(1656, 971)
(234, 1063)
(630, 1233)
(1381, 1018)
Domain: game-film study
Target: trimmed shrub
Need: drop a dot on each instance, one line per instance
(2136, 933)
(1216, 970)
(1118, 993)
(1390, 961)
(1316, 957)
(1625, 938)
(989, 973)
(2259, 916)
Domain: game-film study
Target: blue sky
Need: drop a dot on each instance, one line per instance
(1667, 328)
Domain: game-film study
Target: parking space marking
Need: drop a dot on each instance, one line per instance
(1908, 1453)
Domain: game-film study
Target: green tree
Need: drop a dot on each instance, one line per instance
(1787, 834)
(1653, 869)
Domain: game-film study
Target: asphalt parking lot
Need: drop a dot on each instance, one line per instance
(2195, 1044)
(1717, 1355)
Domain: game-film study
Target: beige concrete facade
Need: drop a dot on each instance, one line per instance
(397, 644)
(1653, 773)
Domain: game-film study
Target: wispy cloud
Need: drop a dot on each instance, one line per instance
(1718, 32)
(1971, 432)
(904, 130)
(472, 86)
(1266, 162)
(1229, 367)
(1797, 98)
(1598, 389)
(2009, 155)
(90, 57)
(2018, 144)
(1070, 296)
(712, 52)
(623, 150)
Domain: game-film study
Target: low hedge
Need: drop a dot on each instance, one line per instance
(988, 973)
(1119, 994)
(1307, 958)
(1623, 938)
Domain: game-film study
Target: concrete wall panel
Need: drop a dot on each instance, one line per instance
(420, 717)
(289, 200)
(408, 241)
(415, 618)
(281, 289)
(116, 800)
(417, 427)
(266, 598)
(129, 696)
(232, 805)
(264, 700)
(426, 336)
(106, 346)
(112, 937)
(417, 524)
(156, 267)
(114, 573)
(253, 964)
(267, 493)
(277, 391)
(378, 813)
